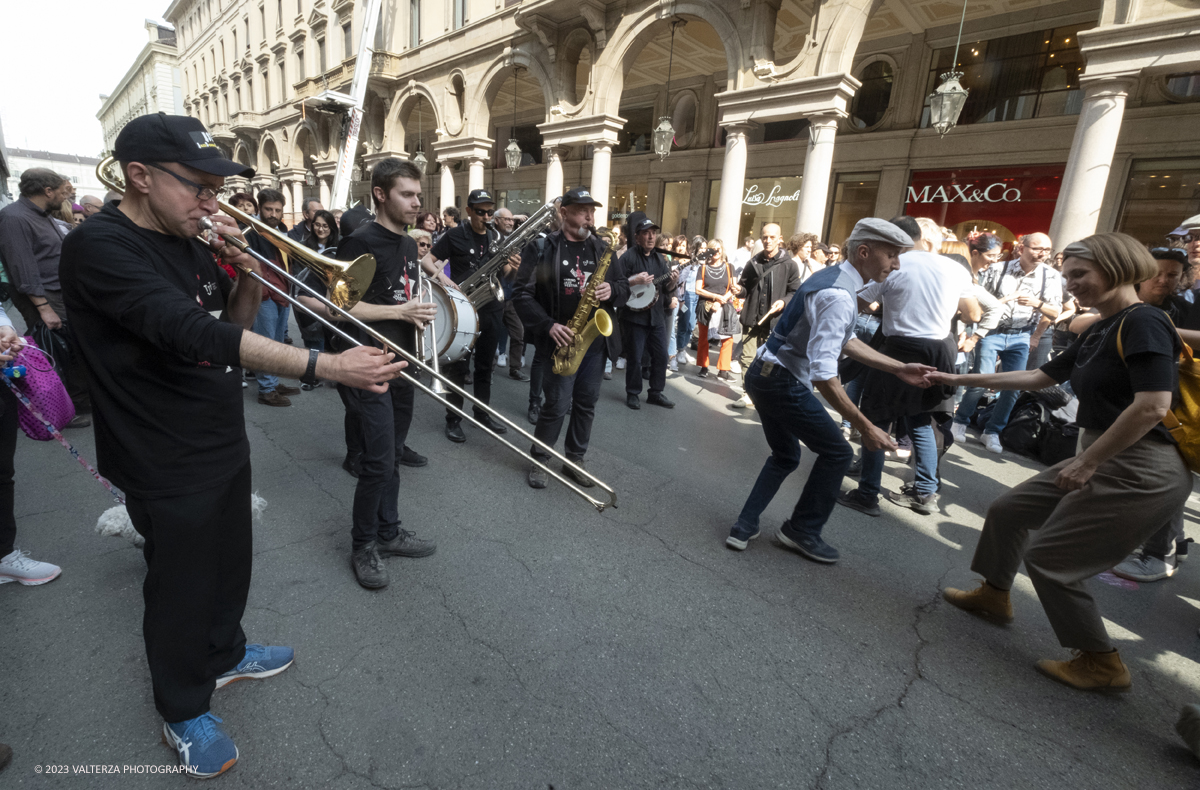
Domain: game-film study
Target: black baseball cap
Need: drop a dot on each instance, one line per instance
(478, 196)
(638, 222)
(579, 196)
(159, 137)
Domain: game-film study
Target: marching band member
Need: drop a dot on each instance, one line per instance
(800, 355)
(170, 430)
(546, 295)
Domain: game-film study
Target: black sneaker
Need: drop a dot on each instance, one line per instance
(406, 544)
(658, 399)
(724, 375)
(633, 402)
(537, 477)
(809, 546)
(410, 457)
(855, 470)
(454, 432)
(492, 425)
(856, 500)
(353, 464)
(703, 373)
(578, 478)
(79, 421)
(740, 537)
(535, 413)
(517, 375)
(368, 567)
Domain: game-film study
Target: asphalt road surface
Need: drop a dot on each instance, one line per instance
(547, 646)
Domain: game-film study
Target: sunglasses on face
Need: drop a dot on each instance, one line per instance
(424, 244)
(484, 212)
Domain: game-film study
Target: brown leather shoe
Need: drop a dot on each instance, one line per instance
(1090, 671)
(286, 391)
(273, 398)
(985, 600)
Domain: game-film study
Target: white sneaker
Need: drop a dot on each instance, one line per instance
(680, 359)
(673, 365)
(608, 366)
(904, 448)
(992, 442)
(522, 361)
(687, 358)
(620, 363)
(735, 367)
(743, 402)
(1144, 568)
(959, 431)
(17, 567)
(502, 361)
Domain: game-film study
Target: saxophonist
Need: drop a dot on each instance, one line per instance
(554, 274)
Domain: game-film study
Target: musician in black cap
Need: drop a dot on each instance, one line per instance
(164, 332)
(553, 275)
(467, 246)
(644, 330)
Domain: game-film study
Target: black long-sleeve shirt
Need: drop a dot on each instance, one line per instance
(163, 368)
(634, 261)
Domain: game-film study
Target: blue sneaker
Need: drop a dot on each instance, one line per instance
(810, 546)
(204, 749)
(260, 661)
(740, 537)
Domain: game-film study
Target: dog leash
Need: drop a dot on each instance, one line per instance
(116, 493)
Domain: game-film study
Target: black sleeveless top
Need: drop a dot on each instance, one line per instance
(716, 279)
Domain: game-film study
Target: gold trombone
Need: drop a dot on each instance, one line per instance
(346, 282)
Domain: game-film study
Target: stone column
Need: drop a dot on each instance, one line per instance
(297, 197)
(447, 196)
(325, 190)
(474, 173)
(554, 173)
(601, 168)
(733, 177)
(1090, 160)
(818, 165)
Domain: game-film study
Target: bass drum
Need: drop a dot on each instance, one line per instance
(455, 327)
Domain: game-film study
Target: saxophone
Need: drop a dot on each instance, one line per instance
(566, 359)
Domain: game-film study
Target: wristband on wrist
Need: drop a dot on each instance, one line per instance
(310, 373)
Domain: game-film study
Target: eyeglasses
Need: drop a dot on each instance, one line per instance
(202, 192)
(1040, 250)
(1192, 239)
(484, 212)
(424, 244)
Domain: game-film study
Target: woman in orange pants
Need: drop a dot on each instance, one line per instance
(714, 285)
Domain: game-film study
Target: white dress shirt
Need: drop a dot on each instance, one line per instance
(920, 300)
(829, 312)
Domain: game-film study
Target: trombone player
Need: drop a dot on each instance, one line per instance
(163, 332)
(550, 282)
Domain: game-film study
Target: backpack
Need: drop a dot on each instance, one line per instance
(1026, 426)
(1183, 421)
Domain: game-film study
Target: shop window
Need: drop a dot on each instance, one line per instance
(637, 137)
(1159, 194)
(1031, 75)
(677, 200)
(683, 118)
(1007, 201)
(519, 201)
(870, 103)
(528, 136)
(853, 198)
(623, 200)
(779, 131)
(764, 200)
(1183, 86)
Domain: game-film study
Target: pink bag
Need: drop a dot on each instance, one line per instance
(45, 391)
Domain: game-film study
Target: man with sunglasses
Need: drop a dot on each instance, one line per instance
(163, 332)
(467, 246)
(1031, 291)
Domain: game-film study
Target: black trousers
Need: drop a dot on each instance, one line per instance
(351, 423)
(640, 338)
(8, 450)
(575, 395)
(538, 370)
(385, 420)
(198, 556)
(491, 327)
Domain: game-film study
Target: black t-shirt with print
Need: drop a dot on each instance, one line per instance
(397, 278)
(574, 271)
(1104, 383)
(162, 368)
(466, 251)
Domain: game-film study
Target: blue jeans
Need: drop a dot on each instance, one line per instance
(1013, 352)
(271, 323)
(685, 324)
(671, 318)
(790, 414)
(925, 455)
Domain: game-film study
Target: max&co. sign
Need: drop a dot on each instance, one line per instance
(999, 192)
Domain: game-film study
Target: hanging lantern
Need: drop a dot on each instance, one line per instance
(310, 179)
(356, 174)
(947, 102)
(420, 161)
(664, 135)
(512, 153)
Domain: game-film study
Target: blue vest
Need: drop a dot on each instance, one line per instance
(789, 339)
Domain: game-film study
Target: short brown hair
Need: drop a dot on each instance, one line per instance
(385, 174)
(1121, 258)
(955, 248)
(37, 180)
(797, 242)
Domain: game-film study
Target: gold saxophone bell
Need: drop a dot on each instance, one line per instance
(345, 280)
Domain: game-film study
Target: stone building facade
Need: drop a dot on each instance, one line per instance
(1083, 114)
(152, 84)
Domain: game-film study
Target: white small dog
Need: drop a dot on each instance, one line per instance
(115, 521)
